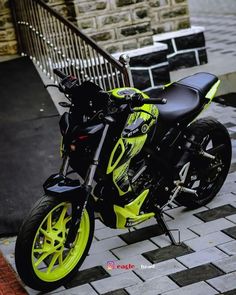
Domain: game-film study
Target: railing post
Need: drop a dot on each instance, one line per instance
(124, 59)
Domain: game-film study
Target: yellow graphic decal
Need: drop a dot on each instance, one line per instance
(113, 163)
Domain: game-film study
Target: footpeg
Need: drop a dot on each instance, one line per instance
(207, 155)
(188, 190)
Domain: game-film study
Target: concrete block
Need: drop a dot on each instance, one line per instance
(201, 257)
(222, 200)
(211, 226)
(216, 213)
(194, 289)
(185, 221)
(99, 224)
(107, 244)
(224, 283)
(229, 248)
(196, 274)
(97, 259)
(160, 269)
(152, 287)
(7, 246)
(183, 211)
(163, 240)
(116, 282)
(227, 264)
(127, 264)
(107, 232)
(231, 218)
(208, 241)
(134, 249)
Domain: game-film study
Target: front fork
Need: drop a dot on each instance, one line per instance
(64, 166)
(77, 207)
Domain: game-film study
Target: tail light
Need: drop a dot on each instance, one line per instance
(83, 137)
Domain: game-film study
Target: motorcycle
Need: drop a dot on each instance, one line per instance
(167, 154)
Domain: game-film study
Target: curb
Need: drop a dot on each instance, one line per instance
(9, 283)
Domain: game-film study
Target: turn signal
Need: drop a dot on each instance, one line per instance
(72, 147)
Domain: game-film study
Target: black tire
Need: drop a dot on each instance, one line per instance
(26, 240)
(207, 131)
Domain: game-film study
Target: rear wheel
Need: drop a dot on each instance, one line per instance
(42, 260)
(205, 175)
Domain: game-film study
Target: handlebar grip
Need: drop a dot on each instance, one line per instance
(158, 100)
(59, 73)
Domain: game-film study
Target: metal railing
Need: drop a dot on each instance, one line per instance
(51, 42)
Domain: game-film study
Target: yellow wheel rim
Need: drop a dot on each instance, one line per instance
(50, 259)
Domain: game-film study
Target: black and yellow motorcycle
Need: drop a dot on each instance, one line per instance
(135, 155)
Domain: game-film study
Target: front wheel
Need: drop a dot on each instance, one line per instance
(42, 260)
(207, 176)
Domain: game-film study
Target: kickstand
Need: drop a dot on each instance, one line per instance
(161, 221)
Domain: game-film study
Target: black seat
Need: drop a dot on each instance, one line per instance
(201, 82)
(185, 97)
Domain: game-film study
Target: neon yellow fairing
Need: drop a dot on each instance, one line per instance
(112, 161)
(120, 172)
(210, 95)
(212, 92)
(168, 84)
(130, 214)
(115, 92)
(129, 146)
(50, 260)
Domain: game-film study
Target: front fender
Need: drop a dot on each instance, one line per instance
(61, 186)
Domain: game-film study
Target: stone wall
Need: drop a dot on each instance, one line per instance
(117, 25)
(169, 15)
(8, 44)
(120, 25)
(62, 6)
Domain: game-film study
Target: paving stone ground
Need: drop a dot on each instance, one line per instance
(220, 33)
(205, 263)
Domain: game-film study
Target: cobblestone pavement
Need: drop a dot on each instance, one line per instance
(220, 33)
(143, 260)
(212, 7)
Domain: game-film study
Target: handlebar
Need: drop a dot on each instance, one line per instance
(59, 73)
(158, 100)
(135, 100)
(139, 101)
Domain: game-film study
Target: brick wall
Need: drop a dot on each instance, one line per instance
(8, 44)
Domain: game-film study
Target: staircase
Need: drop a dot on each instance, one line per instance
(51, 41)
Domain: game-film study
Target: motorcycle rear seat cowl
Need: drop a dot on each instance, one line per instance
(185, 97)
(202, 82)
